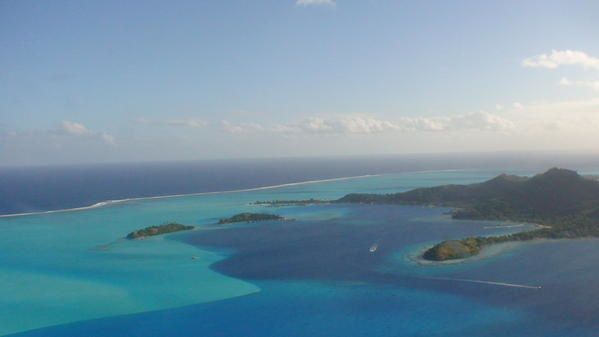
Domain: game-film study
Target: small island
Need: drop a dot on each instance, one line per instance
(563, 203)
(282, 203)
(453, 250)
(249, 217)
(157, 230)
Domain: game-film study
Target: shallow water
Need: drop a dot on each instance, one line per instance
(314, 276)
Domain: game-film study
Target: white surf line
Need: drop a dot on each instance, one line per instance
(96, 205)
(112, 202)
(494, 283)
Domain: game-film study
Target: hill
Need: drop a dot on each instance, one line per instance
(555, 193)
(561, 199)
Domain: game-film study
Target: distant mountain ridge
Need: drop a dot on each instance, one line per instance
(555, 193)
(566, 203)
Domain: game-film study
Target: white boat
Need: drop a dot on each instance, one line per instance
(374, 247)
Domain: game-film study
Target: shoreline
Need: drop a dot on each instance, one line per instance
(252, 189)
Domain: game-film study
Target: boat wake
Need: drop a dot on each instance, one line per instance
(493, 283)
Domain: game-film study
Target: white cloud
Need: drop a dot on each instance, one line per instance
(79, 130)
(477, 121)
(424, 124)
(74, 128)
(343, 124)
(559, 58)
(565, 82)
(360, 124)
(315, 125)
(574, 119)
(108, 139)
(482, 121)
(315, 2)
(353, 124)
(68, 141)
(594, 85)
(240, 128)
(365, 124)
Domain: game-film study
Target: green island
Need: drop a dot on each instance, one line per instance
(250, 217)
(157, 230)
(563, 203)
(282, 203)
(453, 249)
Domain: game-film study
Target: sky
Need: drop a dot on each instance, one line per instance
(117, 81)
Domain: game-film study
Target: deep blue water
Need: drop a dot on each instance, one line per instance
(29, 189)
(318, 278)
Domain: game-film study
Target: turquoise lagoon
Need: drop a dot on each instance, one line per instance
(72, 273)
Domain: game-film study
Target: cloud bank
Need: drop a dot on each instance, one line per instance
(366, 124)
(552, 125)
(80, 130)
(558, 58)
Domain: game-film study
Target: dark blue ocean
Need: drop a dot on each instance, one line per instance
(31, 189)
